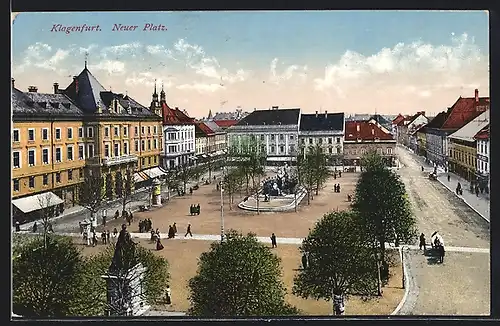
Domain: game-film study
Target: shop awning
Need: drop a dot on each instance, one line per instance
(154, 172)
(36, 202)
(204, 156)
(140, 176)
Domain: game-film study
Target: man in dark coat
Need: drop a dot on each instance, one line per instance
(188, 231)
(198, 209)
(422, 241)
(273, 241)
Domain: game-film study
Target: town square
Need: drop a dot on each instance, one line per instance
(148, 193)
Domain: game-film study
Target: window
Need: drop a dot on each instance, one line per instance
(155, 144)
(106, 131)
(106, 150)
(320, 140)
(389, 150)
(45, 134)
(125, 131)
(292, 149)
(149, 130)
(338, 139)
(31, 134)
(272, 137)
(262, 137)
(70, 153)
(330, 141)
(80, 132)
(310, 141)
(156, 159)
(303, 141)
(117, 149)
(31, 157)
(45, 156)
(142, 130)
(45, 179)
(16, 184)
(90, 152)
(136, 145)
(143, 145)
(125, 148)
(58, 177)
(282, 137)
(81, 152)
(143, 161)
(90, 132)
(117, 131)
(149, 160)
(32, 182)
(15, 135)
(282, 149)
(272, 149)
(155, 130)
(149, 144)
(486, 166)
(58, 154)
(136, 130)
(70, 174)
(486, 149)
(58, 133)
(16, 159)
(291, 137)
(330, 150)
(70, 133)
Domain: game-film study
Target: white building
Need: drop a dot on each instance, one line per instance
(325, 129)
(276, 129)
(483, 155)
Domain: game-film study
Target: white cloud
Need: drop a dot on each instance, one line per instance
(287, 74)
(200, 87)
(417, 59)
(129, 49)
(110, 66)
(148, 79)
(155, 49)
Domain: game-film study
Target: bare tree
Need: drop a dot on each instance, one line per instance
(172, 180)
(47, 210)
(232, 182)
(91, 195)
(125, 192)
(186, 173)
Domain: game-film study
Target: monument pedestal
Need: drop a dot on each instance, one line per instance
(156, 193)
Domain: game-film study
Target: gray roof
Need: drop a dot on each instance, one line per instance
(212, 125)
(33, 104)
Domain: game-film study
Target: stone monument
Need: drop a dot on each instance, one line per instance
(125, 279)
(156, 192)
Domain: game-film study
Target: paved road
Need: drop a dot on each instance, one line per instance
(460, 286)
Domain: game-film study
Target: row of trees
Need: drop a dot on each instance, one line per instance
(51, 278)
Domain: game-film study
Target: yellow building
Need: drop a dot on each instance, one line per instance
(46, 154)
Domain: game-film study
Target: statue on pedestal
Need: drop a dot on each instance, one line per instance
(124, 256)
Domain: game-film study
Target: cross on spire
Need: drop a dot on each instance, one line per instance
(86, 59)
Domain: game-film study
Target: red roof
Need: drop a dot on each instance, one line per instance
(398, 119)
(205, 129)
(226, 123)
(483, 134)
(365, 131)
(464, 111)
(174, 116)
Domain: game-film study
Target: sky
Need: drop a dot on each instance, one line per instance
(387, 62)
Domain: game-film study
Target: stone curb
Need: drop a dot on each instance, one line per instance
(407, 284)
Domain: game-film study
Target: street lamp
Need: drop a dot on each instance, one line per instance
(222, 207)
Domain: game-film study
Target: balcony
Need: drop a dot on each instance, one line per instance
(108, 161)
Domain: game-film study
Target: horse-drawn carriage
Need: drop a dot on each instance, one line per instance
(437, 245)
(433, 176)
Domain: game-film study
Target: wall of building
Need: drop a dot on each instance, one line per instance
(331, 143)
(179, 144)
(462, 159)
(355, 150)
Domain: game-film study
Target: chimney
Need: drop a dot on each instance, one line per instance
(326, 114)
(32, 89)
(476, 95)
(357, 127)
(13, 82)
(56, 88)
(423, 113)
(373, 131)
(75, 79)
(316, 114)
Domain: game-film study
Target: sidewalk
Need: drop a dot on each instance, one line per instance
(140, 196)
(480, 204)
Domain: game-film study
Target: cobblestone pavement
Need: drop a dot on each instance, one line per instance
(460, 286)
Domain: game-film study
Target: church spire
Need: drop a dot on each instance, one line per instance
(155, 88)
(162, 94)
(86, 59)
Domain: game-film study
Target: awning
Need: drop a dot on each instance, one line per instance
(154, 172)
(140, 176)
(36, 202)
(204, 156)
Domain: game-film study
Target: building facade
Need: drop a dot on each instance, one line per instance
(421, 141)
(178, 131)
(362, 137)
(483, 158)
(276, 129)
(326, 130)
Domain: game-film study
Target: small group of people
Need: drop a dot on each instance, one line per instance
(337, 173)
(50, 228)
(180, 192)
(145, 225)
(194, 210)
(172, 231)
(336, 187)
(90, 236)
(459, 189)
(436, 243)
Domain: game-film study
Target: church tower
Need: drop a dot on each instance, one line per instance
(163, 98)
(155, 105)
(210, 117)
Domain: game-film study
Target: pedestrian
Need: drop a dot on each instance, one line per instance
(422, 169)
(35, 228)
(18, 226)
(80, 225)
(174, 228)
(191, 210)
(153, 236)
(108, 237)
(115, 234)
(168, 296)
(190, 190)
(159, 245)
(103, 237)
(335, 176)
(338, 188)
(104, 220)
(448, 178)
(340, 174)
(477, 191)
(198, 209)
(422, 242)
(188, 231)
(273, 241)
(94, 239)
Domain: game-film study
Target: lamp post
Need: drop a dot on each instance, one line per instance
(222, 207)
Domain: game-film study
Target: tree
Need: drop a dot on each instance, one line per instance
(127, 184)
(186, 173)
(319, 162)
(231, 183)
(198, 171)
(47, 278)
(172, 180)
(238, 277)
(91, 194)
(47, 211)
(341, 259)
(382, 204)
(305, 164)
(155, 279)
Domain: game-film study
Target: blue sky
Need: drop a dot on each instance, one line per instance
(305, 44)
